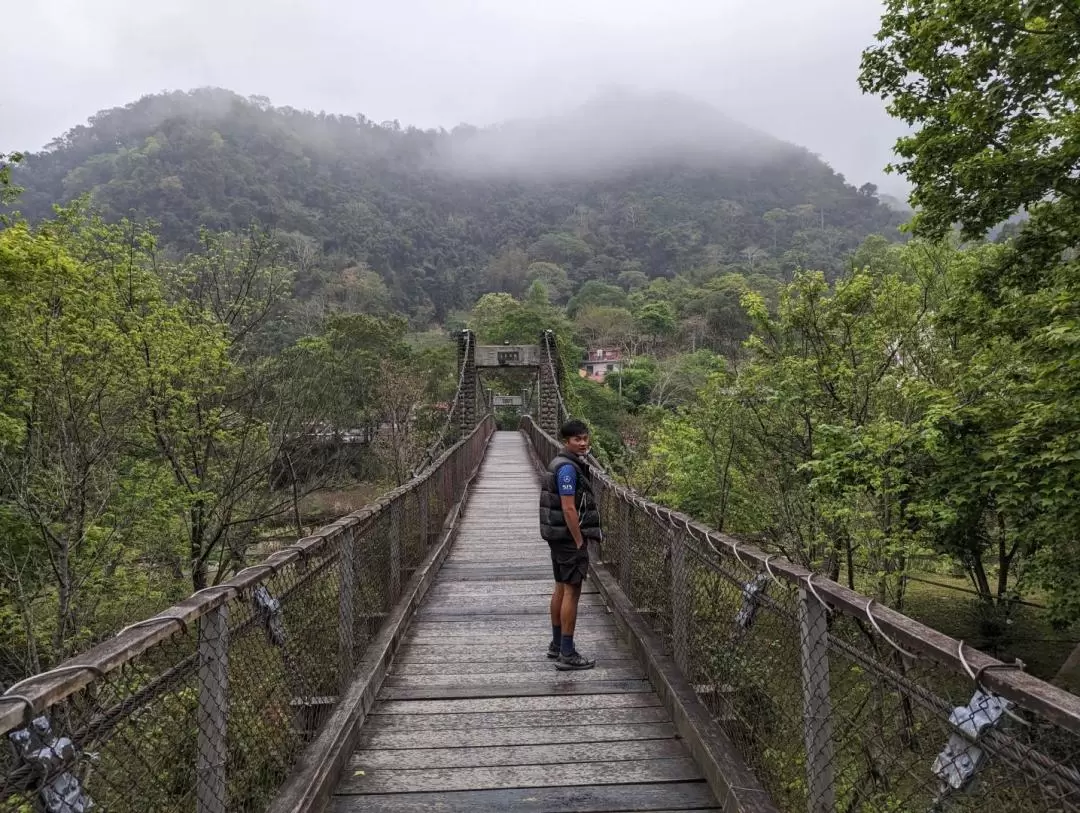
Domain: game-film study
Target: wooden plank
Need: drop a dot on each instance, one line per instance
(483, 606)
(536, 616)
(484, 558)
(524, 587)
(502, 593)
(594, 618)
(524, 540)
(512, 732)
(481, 640)
(401, 677)
(598, 629)
(453, 651)
(511, 554)
(502, 756)
(518, 719)
(371, 738)
(388, 780)
(466, 604)
(486, 574)
(634, 798)
(507, 567)
(539, 663)
(498, 704)
(554, 686)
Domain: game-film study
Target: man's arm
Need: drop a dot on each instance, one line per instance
(573, 522)
(567, 480)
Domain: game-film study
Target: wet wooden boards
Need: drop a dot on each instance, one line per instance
(474, 717)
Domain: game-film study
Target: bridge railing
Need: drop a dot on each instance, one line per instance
(835, 702)
(206, 706)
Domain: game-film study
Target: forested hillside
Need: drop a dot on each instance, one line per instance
(628, 185)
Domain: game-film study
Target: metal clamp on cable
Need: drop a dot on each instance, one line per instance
(735, 549)
(301, 550)
(28, 704)
(976, 677)
(881, 632)
(813, 590)
(59, 670)
(157, 619)
(769, 570)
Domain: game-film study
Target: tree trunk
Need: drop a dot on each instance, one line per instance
(64, 597)
(295, 496)
(198, 560)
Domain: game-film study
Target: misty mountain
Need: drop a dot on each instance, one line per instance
(656, 184)
(616, 131)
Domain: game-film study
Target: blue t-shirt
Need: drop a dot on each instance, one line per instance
(566, 477)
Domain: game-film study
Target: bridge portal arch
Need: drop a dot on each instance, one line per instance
(539, 361)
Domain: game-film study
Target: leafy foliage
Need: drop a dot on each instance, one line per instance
(151, 431)
(991, 90)
(352, 193)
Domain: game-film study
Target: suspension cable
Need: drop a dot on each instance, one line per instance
(432, 451)
(564, 413)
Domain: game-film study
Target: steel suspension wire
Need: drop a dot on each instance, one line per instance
(432, 451)
(564, 413)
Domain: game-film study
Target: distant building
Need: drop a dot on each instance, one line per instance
(600, 361)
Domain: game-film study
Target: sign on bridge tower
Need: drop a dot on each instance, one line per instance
(542, 360)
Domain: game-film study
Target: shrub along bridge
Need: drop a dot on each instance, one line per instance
(394, 661)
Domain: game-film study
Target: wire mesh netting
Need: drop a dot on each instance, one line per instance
(207, 706)
(835, 704)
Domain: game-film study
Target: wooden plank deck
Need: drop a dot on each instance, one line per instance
(510, 733)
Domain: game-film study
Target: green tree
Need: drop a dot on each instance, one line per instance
(593, 293)
(599, 325)
(561, 248)
(990, 90)
(508, 272)
(8, 192)
(554, 277)
(82, 515)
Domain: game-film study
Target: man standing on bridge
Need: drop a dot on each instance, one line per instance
(568, 519)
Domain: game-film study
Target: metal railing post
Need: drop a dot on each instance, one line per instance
(817, 708)
(395, 550)
(423, 496)
(346, 608)
(210, 780)
(680, 607)
(626, 545)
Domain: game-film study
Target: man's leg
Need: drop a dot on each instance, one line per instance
(571, 593)
(556, 621)
(575, 567)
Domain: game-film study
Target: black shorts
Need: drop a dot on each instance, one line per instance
(569, 564)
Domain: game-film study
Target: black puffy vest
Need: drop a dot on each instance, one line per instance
(552, 522)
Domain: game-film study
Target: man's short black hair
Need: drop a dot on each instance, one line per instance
(573, 428)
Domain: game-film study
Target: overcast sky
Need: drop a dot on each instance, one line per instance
(786, 66)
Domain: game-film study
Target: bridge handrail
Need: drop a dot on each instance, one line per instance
(256, 638)
(824, 647)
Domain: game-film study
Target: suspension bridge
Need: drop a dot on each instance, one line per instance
(394, 661)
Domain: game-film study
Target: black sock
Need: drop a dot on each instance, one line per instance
(556, 635)
(567, 645)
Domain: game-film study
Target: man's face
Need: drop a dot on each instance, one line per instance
(578, 444)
